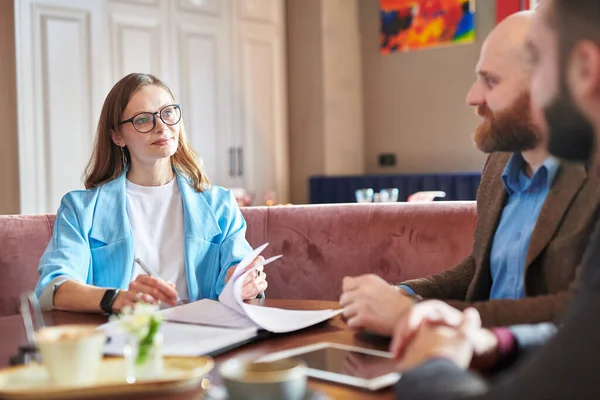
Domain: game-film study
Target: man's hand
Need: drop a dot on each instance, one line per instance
(438, 313)
(372, 304)
(485, 347)
(435, 341)
(434, 312)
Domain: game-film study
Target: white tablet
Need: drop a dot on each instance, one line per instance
(356, 366)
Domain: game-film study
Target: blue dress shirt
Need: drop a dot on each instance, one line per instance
(526, 196)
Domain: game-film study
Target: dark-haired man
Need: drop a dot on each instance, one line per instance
(564, 44)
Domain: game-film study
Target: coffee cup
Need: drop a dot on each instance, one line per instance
(71, 353)
(277, 380)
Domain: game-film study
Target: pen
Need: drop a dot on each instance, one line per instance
(152, 274)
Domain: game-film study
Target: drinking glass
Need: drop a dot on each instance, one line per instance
(364, 195)
(388, 195)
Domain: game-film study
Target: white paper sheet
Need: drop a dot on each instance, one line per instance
(228, 295)
(231, 311)
(183, 339)
(276, 320)
(239, 269)
(208, 312)
(279, 320)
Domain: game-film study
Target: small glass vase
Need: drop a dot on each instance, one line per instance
(147, 366)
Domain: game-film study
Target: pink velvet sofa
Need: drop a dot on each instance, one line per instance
(320, 245)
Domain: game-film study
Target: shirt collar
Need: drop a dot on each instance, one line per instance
(552, 165)
(514, 167)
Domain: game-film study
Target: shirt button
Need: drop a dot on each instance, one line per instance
(517, 235)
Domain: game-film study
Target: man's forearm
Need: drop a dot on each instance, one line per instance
(450, 284)
(529, 310)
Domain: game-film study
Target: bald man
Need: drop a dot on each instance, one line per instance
(535, 213)
(564, 43)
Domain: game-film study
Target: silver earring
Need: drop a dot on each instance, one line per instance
(123, 157)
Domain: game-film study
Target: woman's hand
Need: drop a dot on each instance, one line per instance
(147, 289)
(255, 282)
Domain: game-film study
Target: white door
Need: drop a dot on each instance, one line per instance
(260, 97)
(139, 38)
(61, 81)
(203, 71)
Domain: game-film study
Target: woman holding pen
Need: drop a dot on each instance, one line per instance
(146, 199)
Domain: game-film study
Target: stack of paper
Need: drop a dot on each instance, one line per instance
(184, 339)
(207, 326)
(231, 311)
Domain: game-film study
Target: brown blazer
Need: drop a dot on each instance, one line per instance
(556, 248)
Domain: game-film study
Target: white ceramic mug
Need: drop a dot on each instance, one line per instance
(71, 353)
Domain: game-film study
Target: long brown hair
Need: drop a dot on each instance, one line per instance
(106, 161)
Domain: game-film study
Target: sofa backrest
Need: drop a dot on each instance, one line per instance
(320, 245)
(323, 243)
(23, 239)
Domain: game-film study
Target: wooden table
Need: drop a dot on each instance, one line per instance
(12, 335)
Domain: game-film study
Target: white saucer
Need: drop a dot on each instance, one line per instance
(33, 382)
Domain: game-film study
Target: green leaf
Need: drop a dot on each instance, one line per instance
(146, 342)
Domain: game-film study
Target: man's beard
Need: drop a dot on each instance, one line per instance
(571, 134)
(510, 130)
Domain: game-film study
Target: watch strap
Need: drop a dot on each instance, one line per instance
(108, 299)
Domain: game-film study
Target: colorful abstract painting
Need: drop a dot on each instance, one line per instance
(417, 24)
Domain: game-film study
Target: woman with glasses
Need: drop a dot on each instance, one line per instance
(149, 226)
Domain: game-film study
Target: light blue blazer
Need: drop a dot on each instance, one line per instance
(93, 242)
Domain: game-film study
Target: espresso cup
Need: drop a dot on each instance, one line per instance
(277, 380)
(71, 353)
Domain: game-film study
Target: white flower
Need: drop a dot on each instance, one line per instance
(137, 320)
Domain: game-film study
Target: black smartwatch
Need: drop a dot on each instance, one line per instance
(108, 299)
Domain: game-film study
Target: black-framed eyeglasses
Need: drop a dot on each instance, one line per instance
(144, 122)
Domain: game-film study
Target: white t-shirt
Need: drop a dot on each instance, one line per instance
(156, 217)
